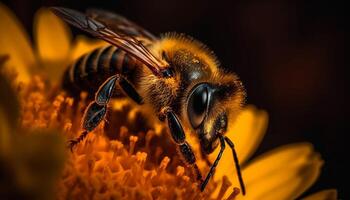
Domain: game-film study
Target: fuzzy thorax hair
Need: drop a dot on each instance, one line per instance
(193, 63)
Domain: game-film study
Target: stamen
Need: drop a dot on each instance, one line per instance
(141, 158)
(133, 140)
(225, 185)
(163, 164)
(180, 171)
(234, 193)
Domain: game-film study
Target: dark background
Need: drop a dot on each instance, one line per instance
(289, 54)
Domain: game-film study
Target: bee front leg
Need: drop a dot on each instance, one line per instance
(179, 137)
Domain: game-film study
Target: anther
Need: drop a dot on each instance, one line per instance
(225, 185)
(133, 140)
(234, 193)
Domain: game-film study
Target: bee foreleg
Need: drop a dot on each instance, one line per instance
(179, 137)
(212, 168)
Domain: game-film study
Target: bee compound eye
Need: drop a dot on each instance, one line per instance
(197, 105)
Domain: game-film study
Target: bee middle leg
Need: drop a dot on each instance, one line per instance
(97, 109)
(179, 137)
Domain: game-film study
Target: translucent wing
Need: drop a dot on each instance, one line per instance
(122, 25)
(121, 40)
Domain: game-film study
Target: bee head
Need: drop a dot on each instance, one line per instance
(210, 107)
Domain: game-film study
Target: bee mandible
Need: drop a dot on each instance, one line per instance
(177, 76)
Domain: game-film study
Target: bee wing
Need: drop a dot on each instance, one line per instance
(120, 24)
(119, 39)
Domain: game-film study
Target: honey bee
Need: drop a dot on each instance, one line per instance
(177, 76)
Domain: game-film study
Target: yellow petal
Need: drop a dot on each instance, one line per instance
(38, 160)
(246, 133)
(52, 36)
(85, 45)
(283, 173)
(53, 42)
(9, 103)
(8, 112)
(4, 135)
(330, 194)
(15, 42)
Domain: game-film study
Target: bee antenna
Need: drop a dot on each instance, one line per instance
(238, 168)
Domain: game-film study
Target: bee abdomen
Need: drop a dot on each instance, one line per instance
(92, 69)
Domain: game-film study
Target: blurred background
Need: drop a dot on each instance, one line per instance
(289, 54)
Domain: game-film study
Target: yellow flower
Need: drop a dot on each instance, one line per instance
(31, 160)
(329, 194)
(54, 48)
(130, 167)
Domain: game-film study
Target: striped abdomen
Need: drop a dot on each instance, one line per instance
(92, 69)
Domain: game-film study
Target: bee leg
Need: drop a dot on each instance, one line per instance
(190, 159)
(212, 168)
(130, 90)
(179, 137)
(97, 109)
(105, 92)
(72, 143)
(197, 172)
(93, 115)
